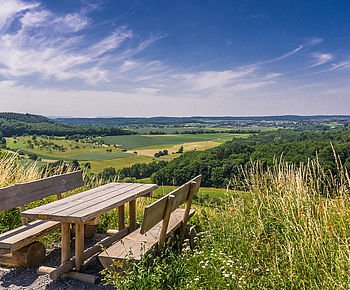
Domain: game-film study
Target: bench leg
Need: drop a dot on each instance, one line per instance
(121, 217)
(66, 236)
(79, 246)
(132, 214)
(30, 256)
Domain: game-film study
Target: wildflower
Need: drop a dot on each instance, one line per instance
(330, 227)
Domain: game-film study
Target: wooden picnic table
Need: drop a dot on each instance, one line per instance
(86, 206)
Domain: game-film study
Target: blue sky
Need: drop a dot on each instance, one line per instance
(174, 58)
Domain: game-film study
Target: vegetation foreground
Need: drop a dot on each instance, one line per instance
(287, 227)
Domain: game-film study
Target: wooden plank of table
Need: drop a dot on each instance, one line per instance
(84, 211)
(70, 213)
(79, 246)
(45, 211)
(86, 204)
(107, 205)
(72, 200)
(121, 217)
(65, 242)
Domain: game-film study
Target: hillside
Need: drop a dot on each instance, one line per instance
(19, 124)
(218, 165)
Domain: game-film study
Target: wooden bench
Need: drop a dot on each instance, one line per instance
(161, 219)
(19, 247)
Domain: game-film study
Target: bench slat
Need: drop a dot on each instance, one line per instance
(22, 193)
(25, 235)
(135, 245)
(154, 212)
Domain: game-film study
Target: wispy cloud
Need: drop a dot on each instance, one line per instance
(321, 58)
(299, 48)
(48, 55)
(50, 46)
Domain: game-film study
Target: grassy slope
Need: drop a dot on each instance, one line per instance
(147, 145)
(279, 234)
(135, 142)
(85, 152)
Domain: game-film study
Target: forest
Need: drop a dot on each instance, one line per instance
(220, 164)
(14, 124)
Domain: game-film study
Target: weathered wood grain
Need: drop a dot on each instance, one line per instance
(22, 193)
(136, 245)
(87, 205)
(27, 234)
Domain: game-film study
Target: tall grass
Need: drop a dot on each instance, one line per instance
(16, 170)
(290, 229)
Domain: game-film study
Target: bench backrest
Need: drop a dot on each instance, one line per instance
(22, 193)
(161, 209)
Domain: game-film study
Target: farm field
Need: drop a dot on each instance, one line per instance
(117, 151)
(72, 150)
(142, 141)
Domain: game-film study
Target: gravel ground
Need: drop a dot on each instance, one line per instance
(24, 278)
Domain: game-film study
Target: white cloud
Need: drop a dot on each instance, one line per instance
(214, 79)
(71, 22)
(321, 58)
(110, 42)
(46, 46)
(46, 54)
(9, 8)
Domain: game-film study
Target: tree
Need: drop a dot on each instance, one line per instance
(108, 172)
(181, 150)
(33, 156)
(87, 165)
(75, 164)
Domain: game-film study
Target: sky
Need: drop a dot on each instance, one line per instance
(175, 58)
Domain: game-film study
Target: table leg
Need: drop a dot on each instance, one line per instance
(132, 214)
(79, 245)
(121, 217)
(65, 249)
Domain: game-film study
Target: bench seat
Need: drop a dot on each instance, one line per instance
(135, 245)
(20, 237)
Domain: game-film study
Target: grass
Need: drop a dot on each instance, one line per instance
(85, 152)
(288, 227)
(97, 166)
(134, 142)
(145, 146)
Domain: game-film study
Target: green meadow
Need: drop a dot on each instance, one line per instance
(117, 151)
(142, 141)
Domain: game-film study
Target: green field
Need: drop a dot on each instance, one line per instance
(140, 148)
(73, 150)
(142, 141)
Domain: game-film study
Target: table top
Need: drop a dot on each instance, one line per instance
(89, 204)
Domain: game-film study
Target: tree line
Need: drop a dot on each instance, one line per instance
(218, 165)
(14, 124)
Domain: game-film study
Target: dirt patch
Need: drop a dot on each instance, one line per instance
(24, 278)
(173, 148)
